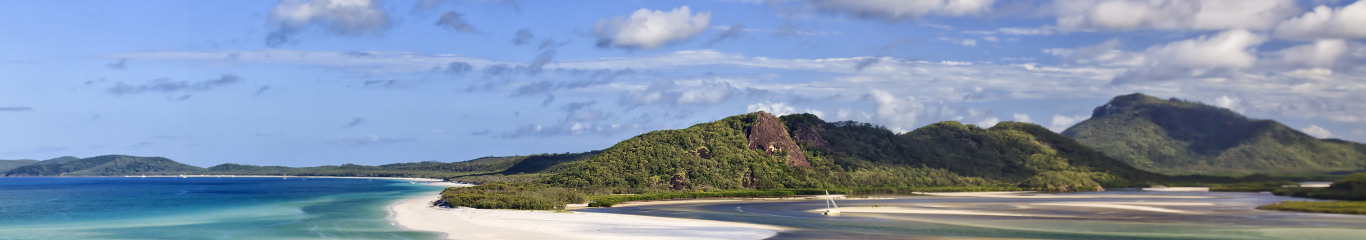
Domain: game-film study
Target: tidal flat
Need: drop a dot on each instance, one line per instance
(1121, 214)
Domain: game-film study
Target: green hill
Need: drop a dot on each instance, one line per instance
(108, 165)
(1182, 137)
(724, 155)
(6, 165)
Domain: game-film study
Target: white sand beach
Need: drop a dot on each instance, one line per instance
(466, 223)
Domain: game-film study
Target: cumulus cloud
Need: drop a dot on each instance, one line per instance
(897, 112)
(988, 123)
(1020, 117)
(455, 21)
(649, 29)
(667, 92)
(1104, 54)
(900, 10)
(165, 85)
(1325, 22)
(1061, 123)
(343, 17)
(1316, 131)
(1125, 15)
(15, 109)
(865, 62)
(1231, 103)
(1323, 53)
(1233, 48)
(780, 109)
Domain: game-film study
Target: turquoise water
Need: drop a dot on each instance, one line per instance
(202, 208)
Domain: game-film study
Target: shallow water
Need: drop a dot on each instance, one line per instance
(202, 208)
(1094, 215)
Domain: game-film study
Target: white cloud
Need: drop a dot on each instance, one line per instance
(1232, 48)
(901, 10)
(780, 109)
(1104, 54)
(969, 42)
(1020, 117)
(650, 29)
(1231, 103)
(345, 17)
(898, 113)
(1061, 123)
(1124, 15)
(1325, 22)
(1323, 53)
(667, 92)
(988, 123)
(1316, 131)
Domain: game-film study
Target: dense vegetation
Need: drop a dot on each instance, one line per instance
(717, 159)
(503, 195)
(1351, 188)
(1354, 207)
(1182, 137)
(6, 165)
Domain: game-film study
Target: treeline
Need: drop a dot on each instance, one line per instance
(504, 195)
(1351, 188)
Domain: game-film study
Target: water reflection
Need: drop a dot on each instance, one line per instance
(1092, 215)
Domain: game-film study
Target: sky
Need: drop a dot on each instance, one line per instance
(327, 82)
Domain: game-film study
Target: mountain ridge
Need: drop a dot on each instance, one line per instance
(1183, 137)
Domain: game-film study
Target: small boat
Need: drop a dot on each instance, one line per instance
(831, 209)
(412, 182)
(182, 175)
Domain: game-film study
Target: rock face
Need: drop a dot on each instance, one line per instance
(769, 134)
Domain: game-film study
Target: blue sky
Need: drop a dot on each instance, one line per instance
(306, 83)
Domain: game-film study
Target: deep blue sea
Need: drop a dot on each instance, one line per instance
(202, 208)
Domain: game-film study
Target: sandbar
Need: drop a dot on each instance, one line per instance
(417, 214)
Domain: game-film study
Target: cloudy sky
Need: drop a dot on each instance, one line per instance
(305, 83)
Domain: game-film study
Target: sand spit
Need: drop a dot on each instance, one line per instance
(1053, 196)
(466, 223)
(1136, 206)
(928, 211)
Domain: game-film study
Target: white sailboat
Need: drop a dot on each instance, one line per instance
(830, 207)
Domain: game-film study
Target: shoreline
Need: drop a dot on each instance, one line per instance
(417, 214)
(233, 176)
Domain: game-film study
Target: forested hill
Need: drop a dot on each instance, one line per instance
(1182, 137)
(108, 165)
(721, 155)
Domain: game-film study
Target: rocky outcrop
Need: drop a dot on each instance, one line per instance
(769, 134)
(677, 182)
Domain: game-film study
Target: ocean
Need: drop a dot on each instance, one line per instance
(203, 208)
